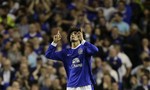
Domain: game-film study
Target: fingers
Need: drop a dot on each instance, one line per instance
(78, 33)
(57, 37)
(81, 34)
(58, 33)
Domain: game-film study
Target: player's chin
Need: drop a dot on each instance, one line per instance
(72, 40)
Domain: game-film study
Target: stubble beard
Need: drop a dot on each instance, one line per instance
(73, 41)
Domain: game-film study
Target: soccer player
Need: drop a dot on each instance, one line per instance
(76, 60)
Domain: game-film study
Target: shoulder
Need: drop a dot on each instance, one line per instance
(85, 43)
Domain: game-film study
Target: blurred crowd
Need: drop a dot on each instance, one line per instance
(119, 28)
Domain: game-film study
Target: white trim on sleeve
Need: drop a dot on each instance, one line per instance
(54, 44)
(83, 41)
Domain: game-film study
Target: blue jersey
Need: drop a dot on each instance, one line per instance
(77, 63)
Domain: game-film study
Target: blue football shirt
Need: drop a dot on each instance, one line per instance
(77, 63)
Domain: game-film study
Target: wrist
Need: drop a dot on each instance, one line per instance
(83, 41)
(54, 43)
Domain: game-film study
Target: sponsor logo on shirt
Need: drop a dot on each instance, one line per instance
(76, 63)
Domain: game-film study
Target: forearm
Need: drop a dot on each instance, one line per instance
(51, 49)
(52, 54)
(90, 48)
(46, 6)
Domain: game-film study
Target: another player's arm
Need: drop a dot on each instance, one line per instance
(51, 52)
(90, 48)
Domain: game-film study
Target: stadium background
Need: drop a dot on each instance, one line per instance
(119, 28)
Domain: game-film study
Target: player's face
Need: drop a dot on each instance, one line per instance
(74, 36)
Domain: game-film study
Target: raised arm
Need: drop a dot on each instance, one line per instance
(31, 6)
(90, 48)
(51, 53)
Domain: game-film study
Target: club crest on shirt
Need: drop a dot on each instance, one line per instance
(80, 51)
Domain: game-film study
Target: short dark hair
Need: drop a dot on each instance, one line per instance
(73, 29)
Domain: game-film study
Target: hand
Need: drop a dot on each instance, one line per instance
(80, 35)
(57, 37)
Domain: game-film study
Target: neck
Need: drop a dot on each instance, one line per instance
(75, 44)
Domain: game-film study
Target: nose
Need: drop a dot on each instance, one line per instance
(73, 34)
